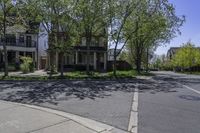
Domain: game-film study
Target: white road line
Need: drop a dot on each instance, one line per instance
(191, 89)
(133, 122)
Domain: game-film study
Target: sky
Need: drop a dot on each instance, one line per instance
(190, 31)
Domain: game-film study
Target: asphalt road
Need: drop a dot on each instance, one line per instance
(105, 101)
(166, 106)
(168, 103)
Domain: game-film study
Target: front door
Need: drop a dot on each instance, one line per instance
(43, 63)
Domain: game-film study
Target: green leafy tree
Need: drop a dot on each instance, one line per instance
(91, 15)
(8, 18)
(123, 56)
(60, 23)
(197, 57)
(118, 14)
(154, 23)
(187, 57)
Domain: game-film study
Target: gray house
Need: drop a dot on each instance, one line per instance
(19, 43)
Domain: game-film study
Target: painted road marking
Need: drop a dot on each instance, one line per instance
(191, 89)
(133, 122)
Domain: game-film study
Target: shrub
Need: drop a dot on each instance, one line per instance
(32, 67)
(24, 68)
(27, 65)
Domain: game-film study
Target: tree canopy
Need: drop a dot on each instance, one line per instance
(186, 57)
(154, 23)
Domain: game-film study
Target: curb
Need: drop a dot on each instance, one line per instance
(88, 123)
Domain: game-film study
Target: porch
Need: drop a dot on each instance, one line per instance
(78, 61)
(14, 59)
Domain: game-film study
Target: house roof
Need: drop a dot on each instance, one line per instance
(175, 49)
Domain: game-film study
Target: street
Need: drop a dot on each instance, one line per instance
(168, 102)
(105, 101)
(166, 106)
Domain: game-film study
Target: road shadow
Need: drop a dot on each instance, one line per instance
(183, 79)
(38, 92)
(190, 97)
(158, 84)
(186, 81)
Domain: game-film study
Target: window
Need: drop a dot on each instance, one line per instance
(11, 57)
(83, 41)
(28, 41)
(10, 39)
(21, 38)
(95, 42)
(80, 58)
(101, 42)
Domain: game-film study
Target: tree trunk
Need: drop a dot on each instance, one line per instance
(147, 62)
(52, 62)
(5, 60)
(62, 65)
(138, 65)
(52, 55)
(138, 52)
(115, 64)
(4, 47)
(88, 42)
(138, 59)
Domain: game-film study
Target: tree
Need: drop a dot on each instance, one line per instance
(118, 14)
(58, 19)
(8, 18)
(155, 24)
(123, 55)
(187, 57)
(197, 57)
(161, 62)
(91, 21)
(67, 33)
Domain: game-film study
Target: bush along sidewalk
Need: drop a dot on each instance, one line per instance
(27, 65)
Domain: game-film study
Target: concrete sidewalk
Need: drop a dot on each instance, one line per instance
(21, 118)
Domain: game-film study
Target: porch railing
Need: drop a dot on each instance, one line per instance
(18, 43)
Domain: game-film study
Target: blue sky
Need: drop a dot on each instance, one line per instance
(190, 29)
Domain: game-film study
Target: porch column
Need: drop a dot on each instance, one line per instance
(76, 57)
(17, 56)
(95, 61)
(17, 38)
(33, 56)
(36, 60)
(105, 61)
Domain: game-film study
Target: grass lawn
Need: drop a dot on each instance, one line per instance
(190, 73)
(82, 75)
